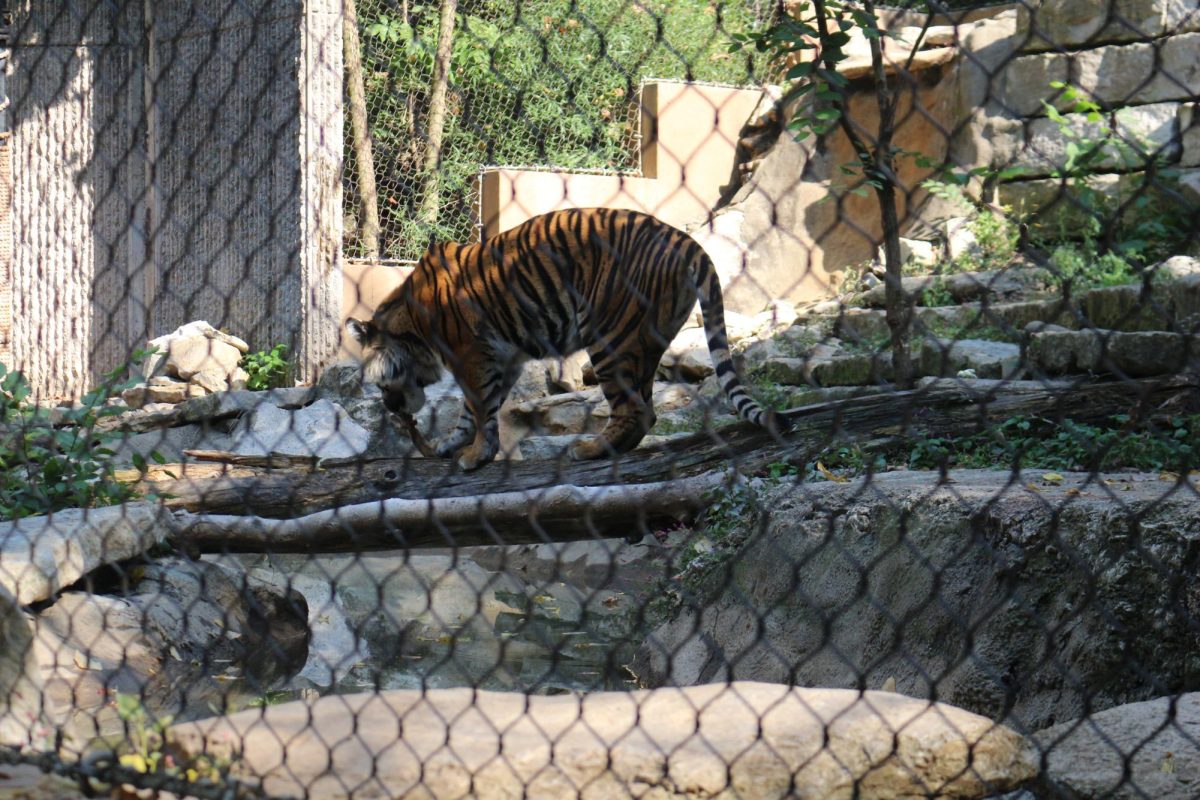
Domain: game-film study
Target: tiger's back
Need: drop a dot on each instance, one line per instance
(618, 284)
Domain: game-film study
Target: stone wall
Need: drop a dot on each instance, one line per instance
(1138, 59)
(177, 161)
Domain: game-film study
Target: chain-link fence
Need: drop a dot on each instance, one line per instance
(552, 84)
(833, 437)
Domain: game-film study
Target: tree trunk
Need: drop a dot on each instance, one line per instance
(899, 306)
(364, 161)
(430, 196)
(876, 423)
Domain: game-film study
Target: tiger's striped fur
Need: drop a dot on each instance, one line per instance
(618, 284)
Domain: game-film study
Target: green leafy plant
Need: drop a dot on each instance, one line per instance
(268, 369)
(1036, 442)
(1136, 225)
(936, 294)
(51, 460)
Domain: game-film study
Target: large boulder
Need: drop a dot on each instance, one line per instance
(22, 721)
(1025, 600)
(1147, 749)
(41, 556)
(741, 740)
(153, 640)
(321, 430)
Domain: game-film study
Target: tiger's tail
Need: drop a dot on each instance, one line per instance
(712, 306)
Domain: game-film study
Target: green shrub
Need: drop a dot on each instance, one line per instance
(50, 463)
(267, 369)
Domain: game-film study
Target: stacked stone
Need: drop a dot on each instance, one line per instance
(191, 361)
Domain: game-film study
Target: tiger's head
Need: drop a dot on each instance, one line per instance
(401, 365)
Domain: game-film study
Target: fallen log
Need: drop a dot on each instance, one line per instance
(554, 514)
(937, 408)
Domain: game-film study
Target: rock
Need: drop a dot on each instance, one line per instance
(159, 363)
(548, 448)
(995, 285)
(239, 379)
(532, 383)
(212, 380)
(584, 412)
(341, 380)
(613, 564)
(1177, 267)
(960, 590)
(1136, 354)
(44, 555)
(158, 389)
(177, 612)
(1144, 132)
(169, 443)
(688, 356)
(745, 739)
(985, 359)
(567, 373)
(961, 241)
(22, 719)
(1147, 749)
(914, 251)
(854, 370)
(188, 356)
(134, 396)
(1070, 24)
(321, 430)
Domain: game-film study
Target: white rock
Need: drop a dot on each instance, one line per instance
(211, 380)
(915, 251)
(321, 430)
(689, 355)
(960, 239)
(188, 356)
(741, 739)
(1177, 267)
(43, 555)
(157, 363)
(21, 711)
(567, 373)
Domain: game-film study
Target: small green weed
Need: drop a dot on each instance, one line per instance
(936, 294)
(769, 394)
(975, 328)
(148, 749)
(268, 369)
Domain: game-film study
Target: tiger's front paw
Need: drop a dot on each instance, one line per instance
(590, 448)
(475, 457)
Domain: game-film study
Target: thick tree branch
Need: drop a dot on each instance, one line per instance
(553, 514)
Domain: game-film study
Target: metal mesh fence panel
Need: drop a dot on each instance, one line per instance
(596, 398)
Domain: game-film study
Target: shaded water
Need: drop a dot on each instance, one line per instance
(403, 621)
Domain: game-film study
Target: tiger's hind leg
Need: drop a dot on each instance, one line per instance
(628, 386)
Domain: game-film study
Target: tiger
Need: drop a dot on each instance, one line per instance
(618, 284)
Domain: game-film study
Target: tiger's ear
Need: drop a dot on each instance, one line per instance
(359, 330)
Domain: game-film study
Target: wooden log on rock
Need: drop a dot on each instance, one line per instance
(944, 407)
(553, 514)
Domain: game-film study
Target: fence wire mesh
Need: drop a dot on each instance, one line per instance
(834, 436)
